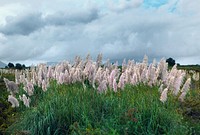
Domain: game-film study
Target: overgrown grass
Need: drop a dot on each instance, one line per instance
(7, 113)
(69, 109)
(191, 111)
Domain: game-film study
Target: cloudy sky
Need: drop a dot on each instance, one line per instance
(34, 31)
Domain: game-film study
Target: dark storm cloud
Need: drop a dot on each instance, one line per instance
(26, 24)
(22, 25)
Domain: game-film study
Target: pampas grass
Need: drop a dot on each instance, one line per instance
(102, 77)
(13, 101)
(12, 87)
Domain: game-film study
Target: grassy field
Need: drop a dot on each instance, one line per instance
(71, 109)
(190, 67)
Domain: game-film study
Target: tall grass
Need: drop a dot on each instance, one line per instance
(70, 109)
(7, 113)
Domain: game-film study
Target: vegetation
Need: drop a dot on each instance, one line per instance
(171, 62)
(16, 66)
(11, 65)
(191, 111)
(190, 67)
(7, 113)
(87, 98)
(69, 109)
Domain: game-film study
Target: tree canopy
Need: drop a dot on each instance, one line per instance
(11, 65)
(171, 61)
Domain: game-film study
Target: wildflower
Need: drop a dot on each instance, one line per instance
(177, 83)
(111, 78)
(171, 82)
(34, 77)
(127, 76)
(151, 73)
(124, 66)
(103, 86)
(186, 86)
(12, 87)
(22, 78)
(173, 71)
(17, 77)
(66, 77)
(50, 72)
(145, 60)
(134, 79)
(163, 69)
(182, 96)
(143, 75)
(84, 86)
(107, 64)
(26, 100)
(30, 88)
(161, 88)
(99, 60)
(196, 76)
(44, 85)
(185, 89)
(61, 78)
(114, 85)
(121, 81)
(13, 101)
(98, 76)
(163, 97)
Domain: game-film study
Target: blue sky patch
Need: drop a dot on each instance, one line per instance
(154, 3)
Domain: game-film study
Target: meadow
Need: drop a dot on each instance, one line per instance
(87, 97)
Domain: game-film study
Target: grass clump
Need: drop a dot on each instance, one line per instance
(191, 111)
(7, 113)
(69, 109)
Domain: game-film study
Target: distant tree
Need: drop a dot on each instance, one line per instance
(171, 62)
(18, 66)
(23, 66)
(11, 65)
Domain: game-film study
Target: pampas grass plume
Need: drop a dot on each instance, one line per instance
(163, 97)
(13, 101)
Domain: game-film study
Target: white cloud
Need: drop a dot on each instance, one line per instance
(122, 5)
(119, 29)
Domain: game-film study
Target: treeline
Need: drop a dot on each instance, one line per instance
(171, 62)
(16, 66)
(190, 67)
